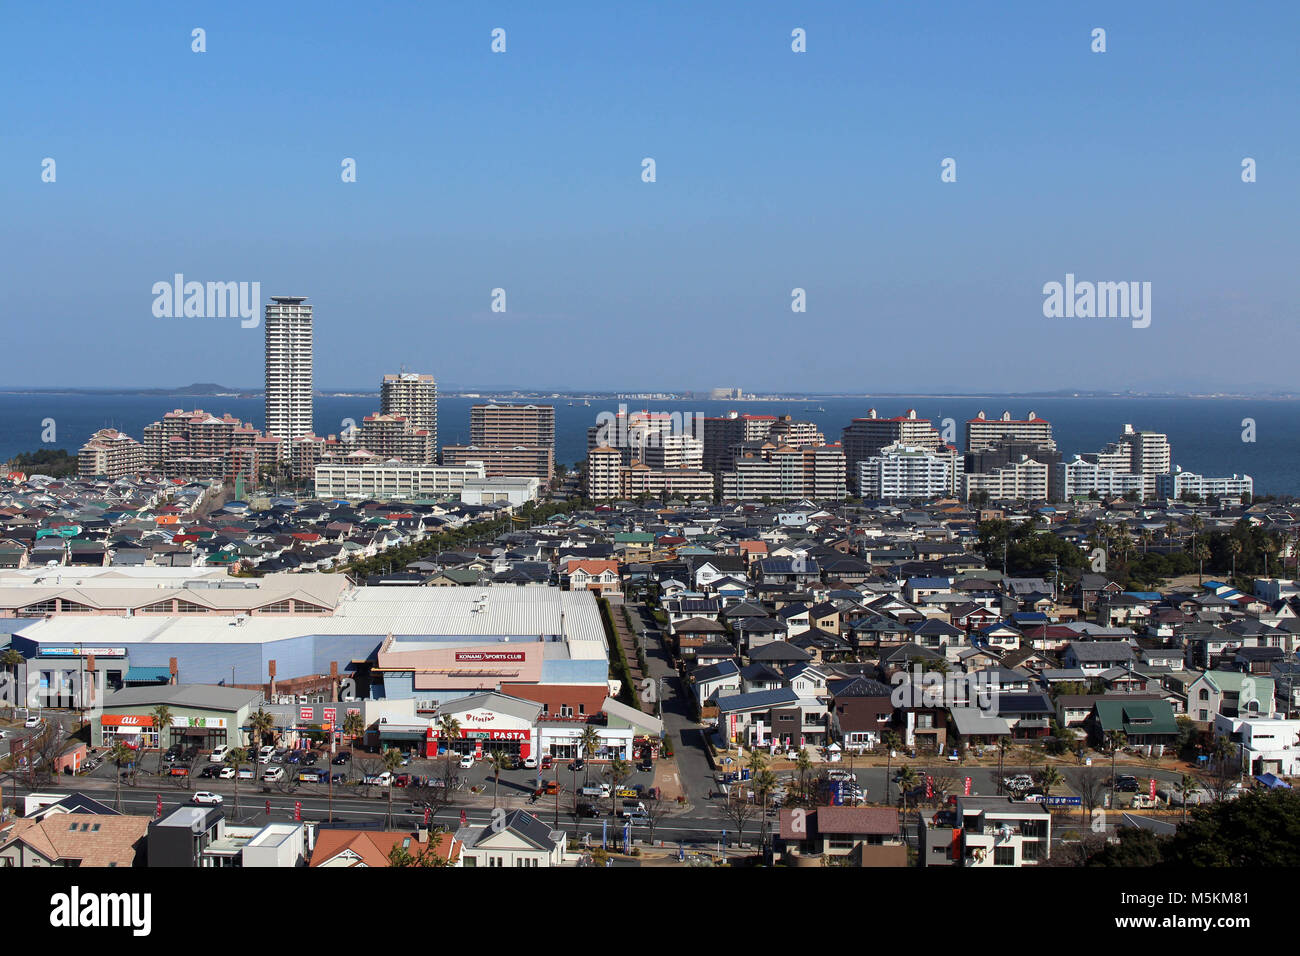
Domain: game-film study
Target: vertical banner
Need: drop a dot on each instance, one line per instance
(157, 811)
(297, 811)
(929, 787)
(966, 787)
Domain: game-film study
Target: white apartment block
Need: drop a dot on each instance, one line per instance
(110, 454)
(1138, 453)
(982, 432)
(288, 369)
(864, 437)
(1179, 482)
(394, 480)
(1025, 478)
(604, 473)
(784, 472)
(415, 398)
(1082, 477)
(674, 451)
(903, 471)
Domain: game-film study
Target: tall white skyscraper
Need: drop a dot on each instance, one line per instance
(415, 397)
(288, 368)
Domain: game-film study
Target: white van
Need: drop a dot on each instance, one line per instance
(218, 754)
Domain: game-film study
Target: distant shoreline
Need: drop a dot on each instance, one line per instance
(518, 395)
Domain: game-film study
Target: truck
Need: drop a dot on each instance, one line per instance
(595, 790)
(632, 808)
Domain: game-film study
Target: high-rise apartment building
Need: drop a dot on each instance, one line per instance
(511, 441)
(783, 472)
(981, 431)
(110, 454)
(288, 369)
(394, 436)
(901, 471)
(723, 431)
(786, 431)
(865, 437)
(196, 444)
(1139, 453)
(415, 398)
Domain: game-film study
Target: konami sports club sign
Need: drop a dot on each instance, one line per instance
(490, 657)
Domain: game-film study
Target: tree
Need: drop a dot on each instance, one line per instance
(906, 781)
(891, 742)
(162, 721)
(234, 758)
(588, 746)
(802, 765)
(1090, 784)
(354, 725)
(1049, 779)
(392, 763)
(262, 725)
(120, 753)
(10, 659)
(448, 730)
(496, 760)
(739, 809)
(1185, 787)
(617, 771)
(1115, 739)
(399, 856)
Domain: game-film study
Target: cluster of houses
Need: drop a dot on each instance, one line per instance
(159, 522)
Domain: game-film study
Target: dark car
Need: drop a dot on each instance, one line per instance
(341, 759)
(587, 810)
(209, 771)
(577, 764)
(646, 766)
(294, 757)
(309, 758)
(338, 778)
(1126, 785)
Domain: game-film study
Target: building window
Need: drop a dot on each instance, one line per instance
(1004, 856)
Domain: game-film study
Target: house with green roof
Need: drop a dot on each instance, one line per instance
(1145, 721)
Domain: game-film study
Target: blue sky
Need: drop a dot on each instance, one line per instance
(775, 170)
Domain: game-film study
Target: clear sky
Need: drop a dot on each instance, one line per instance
(775, 170)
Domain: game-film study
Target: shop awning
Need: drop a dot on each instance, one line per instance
(147, 675)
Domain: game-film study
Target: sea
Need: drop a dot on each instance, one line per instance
(1212, 436)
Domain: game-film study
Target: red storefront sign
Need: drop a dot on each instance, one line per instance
(305, 713)
(125, 720)
(328, 714)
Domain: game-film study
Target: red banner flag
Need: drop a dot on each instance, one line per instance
(268, 808)
(966, 791)
(157, 813)
(426, 816)
(297, 811)
(464, 820)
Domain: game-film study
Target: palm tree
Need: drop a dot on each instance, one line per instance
(392, 761)
(803, 764)
(617, 771)
(354, 725)
(1235, 547)
(1049, 778)
(756, 763)
(1116, 739)
(262, 725)
(1185, 787)
(448, 730)
(11, 659)
(906, 781)
(588, 744)
(1146, 537)
(120, 753)
(891, 742)
(496, 760)
(1268, 547)
(234, 757)
(1200, 553)
(162, 720)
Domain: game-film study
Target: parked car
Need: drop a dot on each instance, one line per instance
(378, 779)
(265, 751)
(206, 798)
(646, 765)
(576, 764)
(341, 759)
(226, 773)
(208, 772)
(1126, 784)
(309, 758)
(273, 775)
(548, 788)
(631, 807)
(588, 810)
(547, 762)
(530, 763)
(839, 775)
(245, 773)
(466, 761)
(293, 756)
(627, 792)
(638, 819)
(218, 754)
(31, 722)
